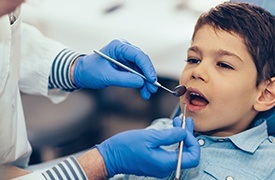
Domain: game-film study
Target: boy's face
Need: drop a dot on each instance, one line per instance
(221, 80)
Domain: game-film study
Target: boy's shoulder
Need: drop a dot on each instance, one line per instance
(161, 123)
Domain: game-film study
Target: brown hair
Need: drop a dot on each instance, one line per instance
(254, 24)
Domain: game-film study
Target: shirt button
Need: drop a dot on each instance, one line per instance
(12, 18)
(201, 142)
(229, 178)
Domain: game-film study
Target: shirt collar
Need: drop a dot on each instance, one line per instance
(250, 139)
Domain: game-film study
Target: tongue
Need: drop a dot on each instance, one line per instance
(198, 101)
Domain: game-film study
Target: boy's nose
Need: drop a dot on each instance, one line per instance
(201, 72)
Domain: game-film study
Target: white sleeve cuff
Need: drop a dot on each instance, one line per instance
(60, 73)
(31, 176)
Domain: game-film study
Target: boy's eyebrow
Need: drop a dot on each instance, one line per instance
(193, 48)
(227, 53)
(219, 51)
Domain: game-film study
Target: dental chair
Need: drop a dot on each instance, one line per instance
(269, 116)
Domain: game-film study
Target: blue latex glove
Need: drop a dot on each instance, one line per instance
(177, 122)
(138, 152)
(93, 71)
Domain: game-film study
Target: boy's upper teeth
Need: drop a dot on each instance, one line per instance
(195, 94)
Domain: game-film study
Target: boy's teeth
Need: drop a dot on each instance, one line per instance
(197, 100)
(195, 94)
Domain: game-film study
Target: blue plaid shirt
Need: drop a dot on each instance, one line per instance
(247, 155)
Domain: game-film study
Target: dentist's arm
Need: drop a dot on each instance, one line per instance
(139, 152)
(93, 71)
(135, 152)
(9, 172)
(71, 70)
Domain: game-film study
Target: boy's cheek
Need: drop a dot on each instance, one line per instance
(183, 79)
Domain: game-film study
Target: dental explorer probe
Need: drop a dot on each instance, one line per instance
(182, 116)
(178, 91)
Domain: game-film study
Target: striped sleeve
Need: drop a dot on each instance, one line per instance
(60, 72)
(67, 169)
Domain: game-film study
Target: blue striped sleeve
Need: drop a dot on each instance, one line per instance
(60, 72)
(67, 169)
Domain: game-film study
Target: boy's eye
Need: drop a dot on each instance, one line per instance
(193, 61)
(223, 65)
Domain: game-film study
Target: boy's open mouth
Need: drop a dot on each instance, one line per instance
(197, 99)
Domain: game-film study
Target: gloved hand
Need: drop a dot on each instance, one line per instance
(138, 151)
(177, 122)
(93, 71)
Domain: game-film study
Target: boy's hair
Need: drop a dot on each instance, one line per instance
(254, 24)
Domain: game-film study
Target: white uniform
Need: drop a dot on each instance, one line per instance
(25, 65)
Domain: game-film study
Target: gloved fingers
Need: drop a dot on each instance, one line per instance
(145, 94)
(142, 60)
(193, 158)
(177, 121)
(147, 89)
(151, 87)
(191, 146)
(167, 136)
(192, 153)
(189, 124)
(190, 140)
(191, 149)
(123, 50)
(127, 42)
(125, 79)
(166, 160)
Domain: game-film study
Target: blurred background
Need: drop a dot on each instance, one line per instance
(161, 28)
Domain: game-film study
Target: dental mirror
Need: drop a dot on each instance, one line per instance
(179, 90)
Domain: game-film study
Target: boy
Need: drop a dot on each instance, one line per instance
(230, 77)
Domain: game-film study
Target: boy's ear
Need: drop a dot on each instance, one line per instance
(266, 100)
